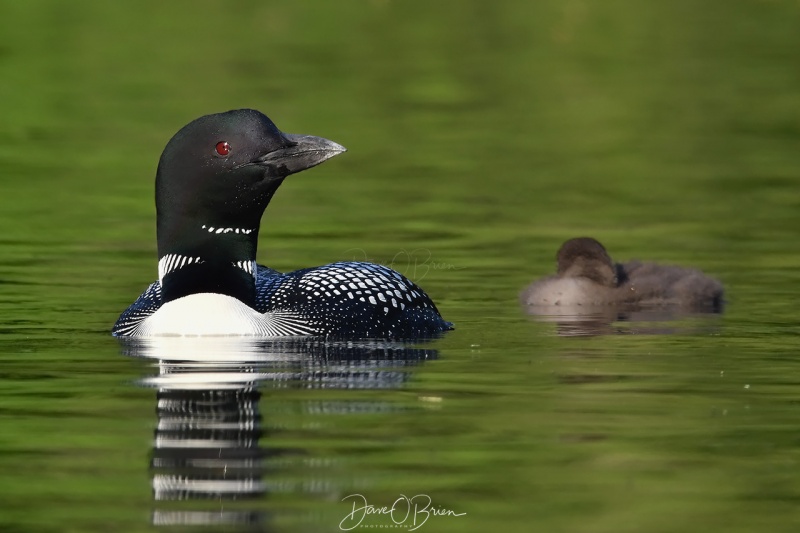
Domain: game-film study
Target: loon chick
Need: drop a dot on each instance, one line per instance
(215, 178)
(587, 277)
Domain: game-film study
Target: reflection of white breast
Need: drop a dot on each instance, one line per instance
(218, 314)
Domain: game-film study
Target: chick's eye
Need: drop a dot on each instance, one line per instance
(223, 148)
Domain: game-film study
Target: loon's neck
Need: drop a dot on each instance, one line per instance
(201, 258)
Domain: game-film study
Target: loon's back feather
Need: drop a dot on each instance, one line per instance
(348, 298)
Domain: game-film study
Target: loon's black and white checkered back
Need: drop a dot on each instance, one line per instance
(352, 299)
(347, 299)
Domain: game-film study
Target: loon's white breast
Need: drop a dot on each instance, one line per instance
(210, 314)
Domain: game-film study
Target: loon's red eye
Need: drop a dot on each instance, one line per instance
(223, 148)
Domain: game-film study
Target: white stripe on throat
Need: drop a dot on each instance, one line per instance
(172, 262)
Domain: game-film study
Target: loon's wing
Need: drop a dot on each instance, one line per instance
(144, 306)
(352, 299)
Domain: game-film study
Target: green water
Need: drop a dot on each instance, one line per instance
(480, 136)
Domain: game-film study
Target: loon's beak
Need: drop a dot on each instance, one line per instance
(302, 152)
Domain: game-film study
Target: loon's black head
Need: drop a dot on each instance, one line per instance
(214, 180)
(586, 258)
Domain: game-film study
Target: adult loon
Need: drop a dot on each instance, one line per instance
(215, 178)
(587, 277)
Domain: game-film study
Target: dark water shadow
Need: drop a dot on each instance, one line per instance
(580, 321)
(210, 440)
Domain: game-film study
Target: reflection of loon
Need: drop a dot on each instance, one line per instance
(207, 442)
(214, 433)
